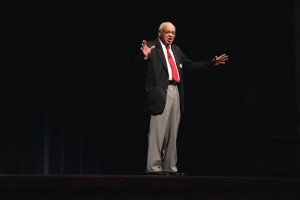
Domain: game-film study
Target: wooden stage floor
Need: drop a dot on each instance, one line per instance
(145, 187)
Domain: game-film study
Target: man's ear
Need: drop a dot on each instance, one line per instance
(159, 33)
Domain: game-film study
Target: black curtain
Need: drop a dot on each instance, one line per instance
(71, 96)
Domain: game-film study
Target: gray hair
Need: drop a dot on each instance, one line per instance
(163, 24)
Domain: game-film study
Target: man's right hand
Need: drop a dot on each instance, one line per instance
(145, 49)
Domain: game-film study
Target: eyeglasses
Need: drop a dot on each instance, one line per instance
(169, 32)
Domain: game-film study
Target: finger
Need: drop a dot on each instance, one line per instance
(144, 43)
(224, 58)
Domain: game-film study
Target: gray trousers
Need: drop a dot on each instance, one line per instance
(162, 136)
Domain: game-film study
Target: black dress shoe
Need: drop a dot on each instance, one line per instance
(177, 173)
(157, 173)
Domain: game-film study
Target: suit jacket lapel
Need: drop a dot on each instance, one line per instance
(161, 55)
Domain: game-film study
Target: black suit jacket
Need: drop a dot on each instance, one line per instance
(156, 75)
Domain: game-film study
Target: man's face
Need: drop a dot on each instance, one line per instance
(167, 35)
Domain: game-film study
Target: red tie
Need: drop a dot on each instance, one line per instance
(172, 64)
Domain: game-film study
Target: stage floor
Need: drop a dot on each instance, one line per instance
(39, 186)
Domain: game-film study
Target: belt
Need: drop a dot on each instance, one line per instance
(173, 82)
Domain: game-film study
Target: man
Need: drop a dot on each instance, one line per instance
(164, 63)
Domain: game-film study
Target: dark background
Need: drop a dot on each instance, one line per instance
(71, 95)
